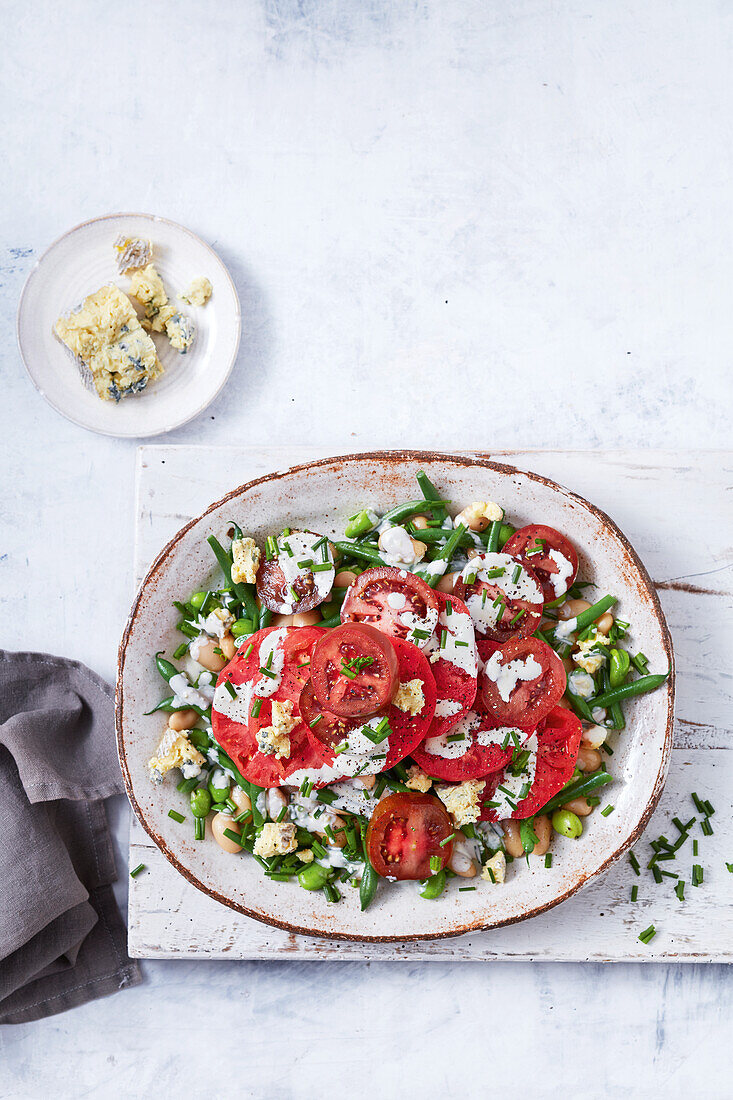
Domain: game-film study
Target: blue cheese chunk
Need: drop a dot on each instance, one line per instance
(198, 292)
(175, 751)
(160, 316)
(132, 252)
(107, 337)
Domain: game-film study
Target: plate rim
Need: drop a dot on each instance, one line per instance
(394, 457)
(69, 416)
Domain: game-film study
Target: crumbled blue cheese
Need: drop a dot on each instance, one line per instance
(410, 697)
(160, 316)
(198, 292)
(246, 561)
(274, 740)
(462, 801)
(494, 869)
(106, 335)
(417, 780)
(175, 751)
(276, 839)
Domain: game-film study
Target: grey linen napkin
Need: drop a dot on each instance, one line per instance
(62, 940)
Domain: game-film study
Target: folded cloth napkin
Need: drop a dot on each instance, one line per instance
(62, 940)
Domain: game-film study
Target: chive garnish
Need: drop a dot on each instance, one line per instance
(517, 617)
(680, 890)
(447, 839)
(315, 721)
(606, 811)
(463, 889)
(548, 860)
(249, 649)
(136, 870)
(634, 863)
(176, 816)
(230, 689)
(516, 574)
(256, 707)
(634, 892)
(269, 673)
(648, 934)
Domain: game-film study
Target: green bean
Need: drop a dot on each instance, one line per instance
(492, 541)
(578, 788)
(200, 802)
(186, 628)
(330, 621)
(585, 618)
(434, 886)
(433, 535)
(567, 824)
(187, 785)
(225, 562)
(369, 878)
(265, 617)
(505, 533)
(359, 524)
(313, 876)
(165, 668)
(452, 543)
(243, 592)
(432, 496)
(579, 705)
(199, 739)
(628, 691)
(617, 715)
(353, 550)
(166, 705)
(620, 662)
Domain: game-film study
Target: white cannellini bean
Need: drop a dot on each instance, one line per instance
(276, 800)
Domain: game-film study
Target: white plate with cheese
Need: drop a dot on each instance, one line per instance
(84, 261)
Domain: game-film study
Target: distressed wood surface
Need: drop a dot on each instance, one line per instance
(676, 510)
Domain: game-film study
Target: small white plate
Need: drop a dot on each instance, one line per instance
(81, 262)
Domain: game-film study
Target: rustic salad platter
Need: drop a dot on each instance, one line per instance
(557, 717)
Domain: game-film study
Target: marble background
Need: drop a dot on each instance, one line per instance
(464, 224)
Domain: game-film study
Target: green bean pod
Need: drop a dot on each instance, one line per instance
(577, 788)
(619, 665)
(369, 878)
(353, 550)
(585, 618)
(628, 691)
(165, 668)
(432, 497)
(579, 705)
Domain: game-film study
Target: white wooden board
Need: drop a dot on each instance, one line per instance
(676, 509)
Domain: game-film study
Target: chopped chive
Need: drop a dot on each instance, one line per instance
(448, 607)
(634, 863)
(680, 890)
(230, 689)
(694, 847)
(516, 574)
(607, 748)
(136, 870)
(436, 864)
(698, 804)
(249, 649)
(548, 860)
(657, 874)
(315, 721)
(648, 934)
(282, 813)
(288, 549)
(421, 635)
(447, 839)
(268, 673)
(455, 737)
(517, 617)
(256, 707)
(697, 874)
(706, 827)
(463, 889)
(634, 892)
(231, 835)
(499, 571)
(176, 816)
(606, 811)
(730, 867)
(492, 876)
(305, 563)
(199, 828)
(459, 643)
(321, 567)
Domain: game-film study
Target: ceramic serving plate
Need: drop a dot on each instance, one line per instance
(81, 262)
(319, 496)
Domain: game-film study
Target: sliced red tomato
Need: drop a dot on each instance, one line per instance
(398, 603)
(475, 760)
(286, 583)
(558, 741)
(454, 662)
(407, 730)
(510, 698)
(405, 832)
(354, 670)
(552, 557)
(238, 738)
(504, 596)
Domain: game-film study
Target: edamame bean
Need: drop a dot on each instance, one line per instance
(200, 802)
(567, 824)
(241, 627)
(313, 877)
(359, 524)
(218, 786)
(197, 600)
(618, 667)
(505, 533)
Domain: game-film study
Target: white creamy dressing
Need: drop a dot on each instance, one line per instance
(516, 786)
(425, 624)
(396, 600)
(238, 709)
(483, 612)
(459, 640)
(465, 851)
(507, 676)
(581, 683)
(396, 547)
(211, 625)
(564, 628)
(433, 570)
(559, 580)
(362, 757)
(454, 749)
(301, 544)
(446, 708)
(352, 798)
(184, 694)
